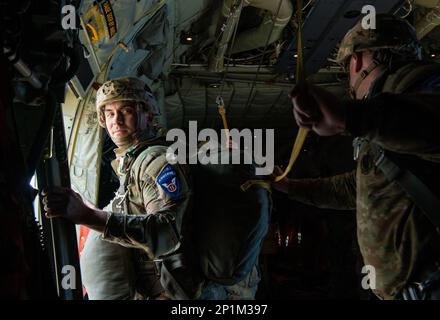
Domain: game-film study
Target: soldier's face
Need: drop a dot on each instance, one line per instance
(120, 120)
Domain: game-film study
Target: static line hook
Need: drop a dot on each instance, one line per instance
(219, 101)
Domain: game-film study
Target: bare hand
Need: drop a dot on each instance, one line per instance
(64, 202)
(317, 109)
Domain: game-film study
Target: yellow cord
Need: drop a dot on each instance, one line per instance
(299, 142)
(302, 132)
(222, 112)
(262, 183)
(300, 77)
(95, 36)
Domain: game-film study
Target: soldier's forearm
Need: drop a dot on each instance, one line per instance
(97, 220)
(154, 233)
(338, 192)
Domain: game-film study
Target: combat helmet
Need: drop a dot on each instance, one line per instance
(125, 89)
(391, 32)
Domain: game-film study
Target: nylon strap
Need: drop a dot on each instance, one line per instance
(299, 142)
(421, 194)
(365, 74)
(222, 112)
(302, 132)
(300, 78)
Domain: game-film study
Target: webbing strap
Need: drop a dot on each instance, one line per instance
(254, 182)
(222, 112)
(124, 168)
(299, 142)
(300, 78)
(364, 74)
(421, 194)
(302, 132)
(95, 36)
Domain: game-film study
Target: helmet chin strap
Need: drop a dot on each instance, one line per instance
(364, 74)
(144, 129)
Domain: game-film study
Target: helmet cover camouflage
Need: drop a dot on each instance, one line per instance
(125, 89)
(391, 33)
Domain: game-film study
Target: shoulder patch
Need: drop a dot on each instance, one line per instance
(169, 181)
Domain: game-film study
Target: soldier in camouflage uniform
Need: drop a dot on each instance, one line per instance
(152, 207)
(395, 109)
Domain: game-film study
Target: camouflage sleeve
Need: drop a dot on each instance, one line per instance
(402, 123)
(165, 195)
(337, 192)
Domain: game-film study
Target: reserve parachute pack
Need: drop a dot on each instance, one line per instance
(230, 223)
